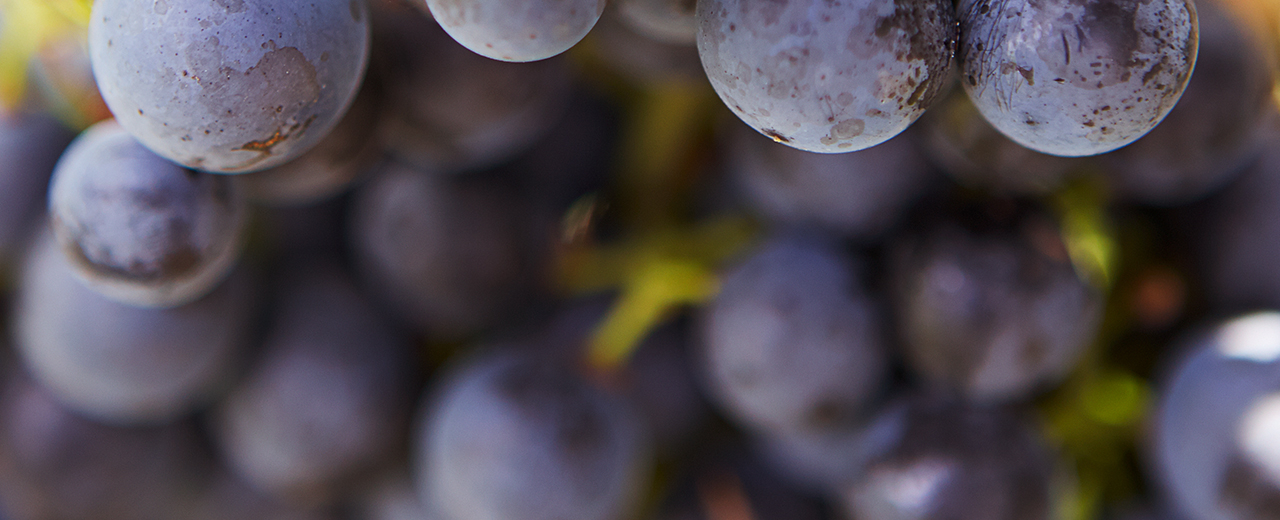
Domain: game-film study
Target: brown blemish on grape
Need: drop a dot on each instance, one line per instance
(266, 146)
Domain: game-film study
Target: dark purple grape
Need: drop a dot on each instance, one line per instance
(1076, 77)
(56, 465)
(934, 459)
(228, 86)
(328, 399)
(859, 195)
(448, 108)
(793, 342)
(827, 76)
(138, 228)
(516, 437)
(121, 363)
(993, 313)
(444, 253)
(30, 145)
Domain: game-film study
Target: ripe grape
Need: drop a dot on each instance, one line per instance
(516, 437)
(860, 194)
(451, 109)
(827, 76)
(328, 396)
(1215, 426)
(992, 312)
(1208, 137)
(30, 145)
(443, 252)
(1076, 77)
(120, 363)
(668, 21)
(138, 228)
(229, 86)
(935, 459)
(517, 30)
(793, 342)
(55, 464)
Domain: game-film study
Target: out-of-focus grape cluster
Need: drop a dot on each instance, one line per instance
(639, 260)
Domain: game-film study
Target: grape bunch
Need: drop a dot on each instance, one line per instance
(639, 260)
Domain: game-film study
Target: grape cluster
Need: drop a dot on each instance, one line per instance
(522, 260)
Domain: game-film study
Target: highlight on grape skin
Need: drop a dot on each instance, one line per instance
(517, 30)
(827, 77)
(1076, 77)
(232, 86)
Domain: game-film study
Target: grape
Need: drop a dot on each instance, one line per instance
(449, 108)
(514, 437)
(1214, 428)
(328, 397)
(936, 459)
(443, 252)
(138, 228)
(120, 363)
(860, 195)
(992, 313)
(517, 30)
(1076, 77)
(30, 145)
(226, 497)
(668, 21)
(1208, 137)
(792, 342)
(975, 154)
(824, 76)
(56, 465)
(818, 461)
(228, 86)
(642, 59)
(391, 496)
(333, 165)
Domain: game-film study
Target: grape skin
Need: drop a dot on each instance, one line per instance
(517, 30)
(518, 438)
(791, 344)
(1076, 77)
(228, 86)
(328, 397)
(30, 145)
(139, 229)
(124, 364)
(827, 76)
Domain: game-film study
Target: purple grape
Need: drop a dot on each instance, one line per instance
(793, 343)
(1076, 77)
(120, 363)
(138, 228)
(827, 76)
(30, 145)
(859, 195)
(935, 459)
(517, 30)
(228, 86)
(515, 437)
(328, 399)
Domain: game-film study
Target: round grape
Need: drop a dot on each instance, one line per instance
(515, 437)
(859, 195)
(792, 342)
(228, 86)
(30, 145)
(120, 363)
(517, 30)
(328, 398)
(827, 76)
(993, 313)
(1076, 77)
(935, 459)
(138, 228)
